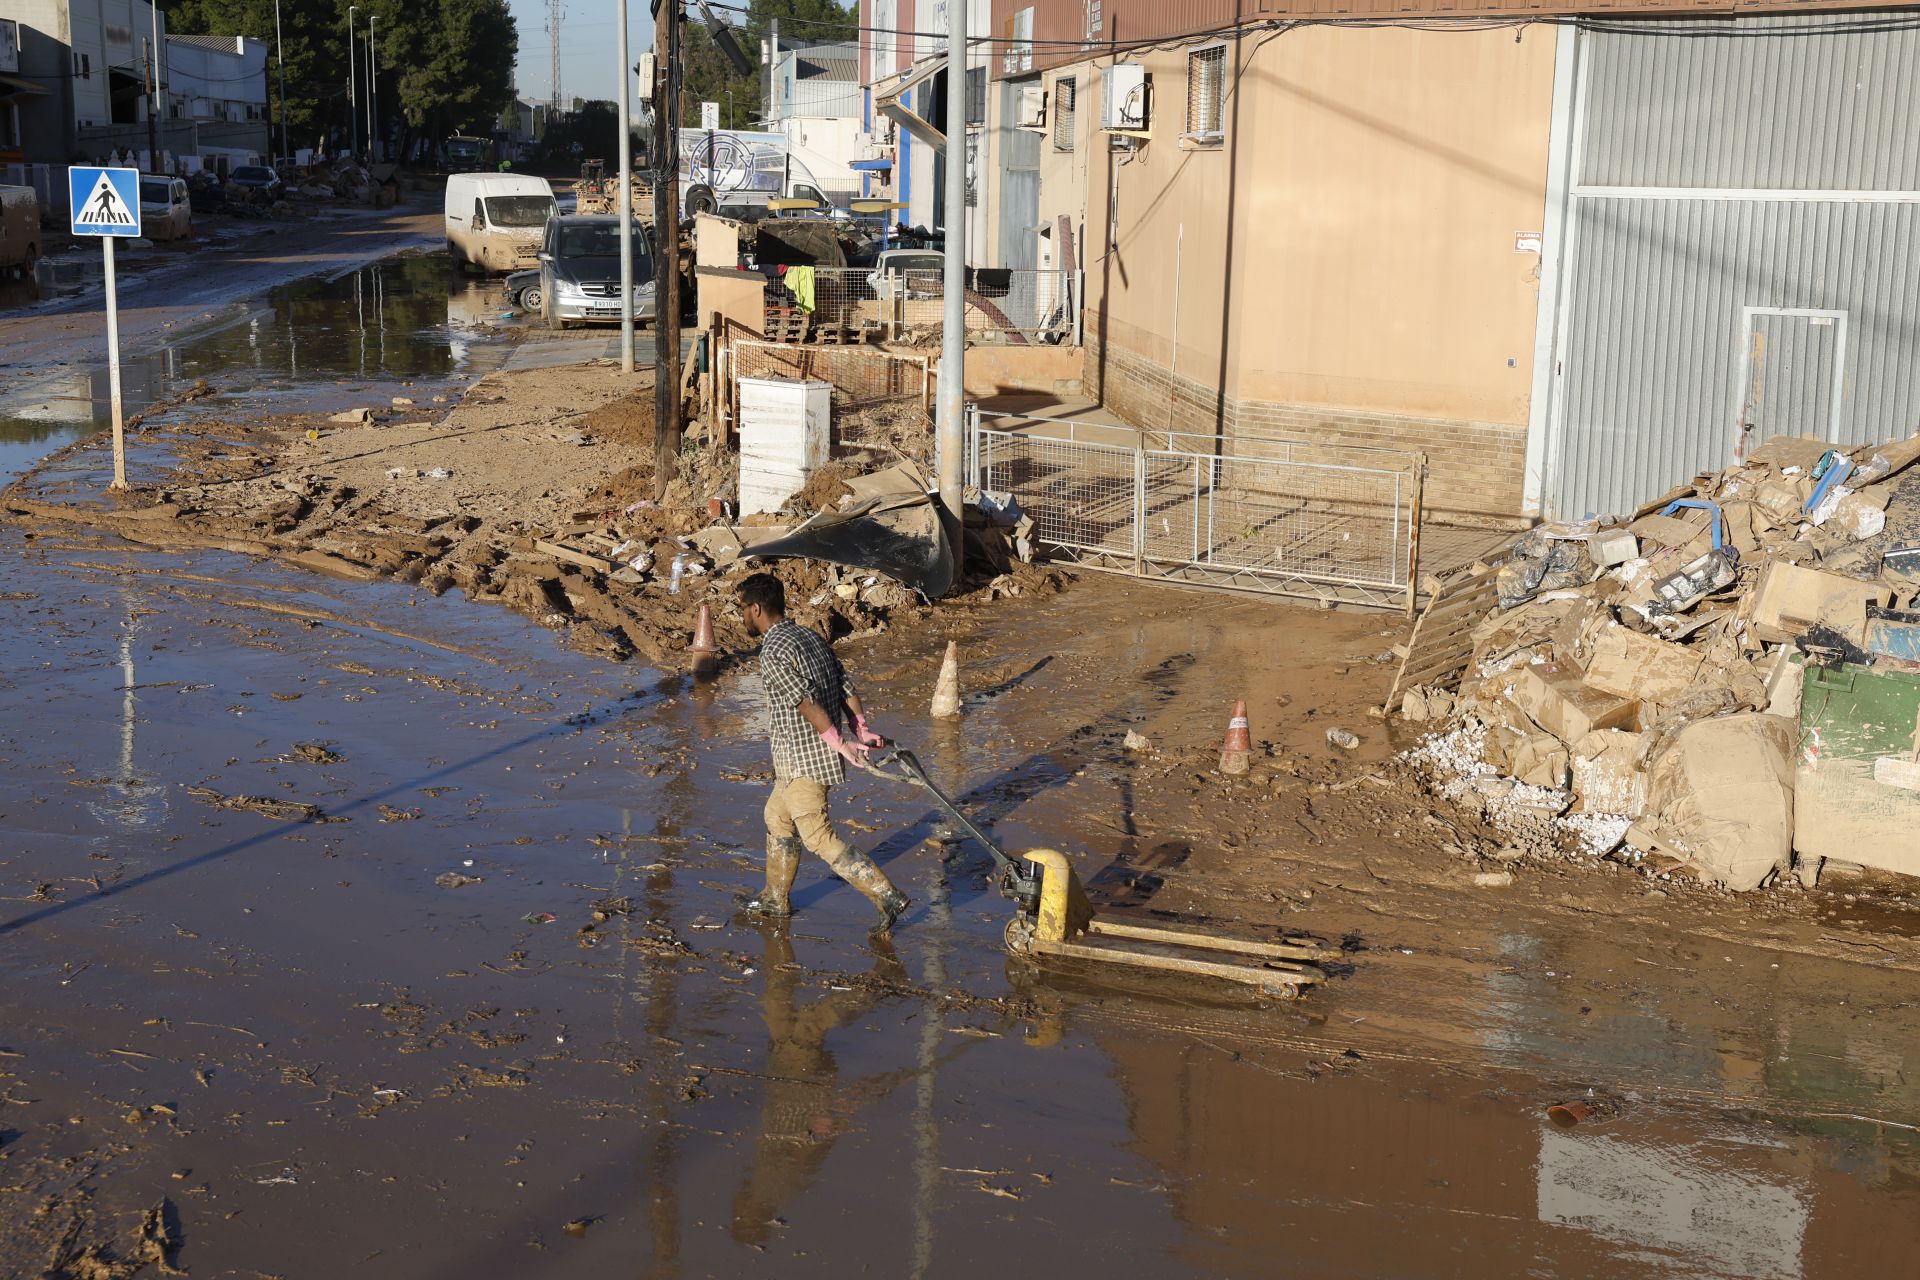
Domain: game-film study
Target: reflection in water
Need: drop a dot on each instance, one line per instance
(136, 804)
(805, 1109)
(1685, 1203)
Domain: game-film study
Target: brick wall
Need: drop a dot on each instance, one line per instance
(1474, 469)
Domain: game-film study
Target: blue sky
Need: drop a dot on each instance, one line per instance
(588, 35)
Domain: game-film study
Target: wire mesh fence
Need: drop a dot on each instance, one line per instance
(840, 303)
(861, 376)
(1310, 519)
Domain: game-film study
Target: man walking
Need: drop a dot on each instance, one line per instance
(817, 727)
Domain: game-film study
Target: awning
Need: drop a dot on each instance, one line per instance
(889, 103)
(14, 85)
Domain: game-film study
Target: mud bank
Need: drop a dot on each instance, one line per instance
(489, 495)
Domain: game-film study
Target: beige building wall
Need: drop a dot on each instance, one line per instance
(1350, 264)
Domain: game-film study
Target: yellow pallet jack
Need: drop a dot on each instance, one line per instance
(1055, 920)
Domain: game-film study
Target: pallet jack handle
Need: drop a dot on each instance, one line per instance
(1021, 883)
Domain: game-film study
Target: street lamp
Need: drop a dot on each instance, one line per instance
(353, 92)
(280, 56)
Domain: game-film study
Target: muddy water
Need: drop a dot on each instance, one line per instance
(320, 1061)
(398, 326)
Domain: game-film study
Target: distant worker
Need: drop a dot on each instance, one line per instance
(818, 726)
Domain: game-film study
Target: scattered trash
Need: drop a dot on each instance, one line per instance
(440, 473)
(1646, 696)
(1344, 739)
(1138, 741)
(454, 880)
(540, 917)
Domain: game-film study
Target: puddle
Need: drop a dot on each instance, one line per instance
(362, 334)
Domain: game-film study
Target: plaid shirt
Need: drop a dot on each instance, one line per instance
(796, 664)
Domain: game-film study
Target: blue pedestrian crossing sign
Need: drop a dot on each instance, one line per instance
(105, 202)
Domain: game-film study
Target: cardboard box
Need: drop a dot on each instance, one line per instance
(1790, 600)
(1607, 777)
(1634, 666)
(1556, 697)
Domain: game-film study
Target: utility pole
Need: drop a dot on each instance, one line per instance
(953, 326)
(353, 91)
(773, 66)
(666, 249)
(373, 88)
(626, 198)
(153, 108)
(280, 56)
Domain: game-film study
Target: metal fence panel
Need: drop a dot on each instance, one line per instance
(1081, 496)
(1307, 519)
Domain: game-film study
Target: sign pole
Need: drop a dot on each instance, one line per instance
(113, 369)
(106, 203)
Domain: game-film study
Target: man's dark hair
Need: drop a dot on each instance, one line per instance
(764, 590)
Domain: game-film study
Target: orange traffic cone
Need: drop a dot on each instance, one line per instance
(1236, 753)
(946, 690)
(706, 654)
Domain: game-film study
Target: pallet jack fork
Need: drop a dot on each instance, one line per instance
(1054, 919)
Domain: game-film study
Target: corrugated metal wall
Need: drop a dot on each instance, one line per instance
(1834, 111)
(1656, 343)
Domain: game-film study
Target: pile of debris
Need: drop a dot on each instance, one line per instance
(1634, 688)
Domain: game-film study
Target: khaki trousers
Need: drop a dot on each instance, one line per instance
(797, 809)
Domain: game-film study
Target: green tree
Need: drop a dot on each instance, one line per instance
(444, 65)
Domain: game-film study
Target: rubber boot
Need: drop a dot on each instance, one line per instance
(783, 863)
(860, 871)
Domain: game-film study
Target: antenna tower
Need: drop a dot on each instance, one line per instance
(558, 107)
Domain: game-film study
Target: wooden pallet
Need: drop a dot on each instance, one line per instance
(787, 324)
(1442, 640)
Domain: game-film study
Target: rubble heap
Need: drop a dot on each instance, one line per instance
(1634, 687)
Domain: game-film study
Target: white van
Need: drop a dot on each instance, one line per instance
(496, 220)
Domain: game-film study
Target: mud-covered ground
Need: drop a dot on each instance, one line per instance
(355, 929)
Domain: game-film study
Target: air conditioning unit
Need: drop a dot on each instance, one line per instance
(1123, 106)
(1033, 107)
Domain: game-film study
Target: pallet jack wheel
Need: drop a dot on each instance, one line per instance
(1019, 935)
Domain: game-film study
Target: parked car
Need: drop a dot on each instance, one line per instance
(19, 230)
(166, 211)
(523, 291)
(889, 275)
(257, 177)
(580, 270)
(496, 221)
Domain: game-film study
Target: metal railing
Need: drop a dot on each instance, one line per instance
(1285, 517)
(1013, 305)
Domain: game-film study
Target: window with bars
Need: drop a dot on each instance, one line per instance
(1206, 92)
(1063, 116)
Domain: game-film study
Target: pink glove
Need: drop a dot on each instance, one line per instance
(864, 735)
(855, 754)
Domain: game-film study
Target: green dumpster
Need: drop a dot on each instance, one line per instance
(1857, 780)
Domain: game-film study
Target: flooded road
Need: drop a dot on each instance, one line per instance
(407, 325)
(353, 930)
(281, 1025)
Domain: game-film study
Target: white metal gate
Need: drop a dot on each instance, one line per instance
(1277, 516)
